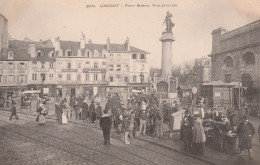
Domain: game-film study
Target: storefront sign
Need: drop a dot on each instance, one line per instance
(69, 70)
(93, 70)
(41, 70)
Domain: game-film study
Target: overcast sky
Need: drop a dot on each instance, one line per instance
(194, 21)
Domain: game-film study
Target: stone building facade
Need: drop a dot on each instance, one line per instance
(80, 67)
(13, 71)
(42, 69)
(235, 55)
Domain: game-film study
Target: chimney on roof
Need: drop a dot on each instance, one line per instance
(108, 43)
(82, 41)
(127, 44)
(57, 44)
(32, 50)
(89, 41)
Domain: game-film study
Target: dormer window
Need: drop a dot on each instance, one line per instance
(51, 54)
(134, 56)
(39, 53)
(87, 53)
(68, 52)
(142, 57)
(10, 55)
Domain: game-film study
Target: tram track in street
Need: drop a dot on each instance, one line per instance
(116, 147)
(123, 150)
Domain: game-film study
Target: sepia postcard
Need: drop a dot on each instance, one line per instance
(129, 82)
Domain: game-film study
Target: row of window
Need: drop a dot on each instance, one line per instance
(247, 59)
(118, 57)
(96, 65)
(43, 65)
(87, 77)
(42, 77)
(119, 78)
(69, 53)
(141, 57)
(118, 67)
(11, 65)
(13, 78)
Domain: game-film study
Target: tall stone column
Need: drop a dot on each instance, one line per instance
(167, 39)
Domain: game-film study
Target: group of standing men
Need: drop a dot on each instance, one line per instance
(193, 135)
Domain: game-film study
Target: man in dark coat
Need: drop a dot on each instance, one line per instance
(158, 123)
(245, 132)
(186, 131)
(84, 110)
(13, 110)
(92, 111)
(105, 124)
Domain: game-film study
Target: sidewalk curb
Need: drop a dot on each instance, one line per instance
(176, 150)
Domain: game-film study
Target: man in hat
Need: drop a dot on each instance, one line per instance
(13, 110)
(158, 122)
(245, 132)
(91, 111)
(105, 123)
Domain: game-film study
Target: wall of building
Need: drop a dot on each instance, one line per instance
(3, 32)
(12, 74)
(236, 44)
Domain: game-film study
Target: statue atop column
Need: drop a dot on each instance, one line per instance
(169, 23)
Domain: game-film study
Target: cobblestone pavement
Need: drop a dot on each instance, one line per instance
(24, 142)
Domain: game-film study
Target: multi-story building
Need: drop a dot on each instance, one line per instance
(3, 32)
(125, 64)
(139, 70)
(235, 55)
(202, 68)
(13, 71)
(42, 69)
(80, 67)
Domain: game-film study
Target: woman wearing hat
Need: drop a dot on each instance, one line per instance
(198, 135)
(41, 117)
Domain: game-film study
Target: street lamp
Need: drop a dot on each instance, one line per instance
(141, 79)
(195, 74)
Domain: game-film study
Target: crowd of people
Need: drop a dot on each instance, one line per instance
(141, 114)
(226, 130)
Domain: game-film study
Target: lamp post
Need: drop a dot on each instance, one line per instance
(141, 80)
(194, 90)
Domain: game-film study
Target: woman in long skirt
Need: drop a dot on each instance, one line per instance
(65, 109)
(59, 113)
(198, 135)
(41, 117)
